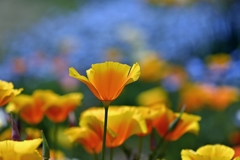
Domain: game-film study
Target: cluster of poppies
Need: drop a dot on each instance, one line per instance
(101, 127)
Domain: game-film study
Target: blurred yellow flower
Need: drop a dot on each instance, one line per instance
(16, 150)
(58, 107)
(219, 62)
(209, 152)
(6, 134)
(7, 92)
(187, 123)
(32, 133)
(152, 96)
(107, 80)
(123, 122)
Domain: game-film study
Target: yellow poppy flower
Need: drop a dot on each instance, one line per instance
(187, 123)
(107, 80)
(7, 92)
(209, 152)
(23, 150)
(58, 108)
(88, 138)
(123, 122)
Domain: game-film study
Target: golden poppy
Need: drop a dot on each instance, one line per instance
(7, 92)
(123, 122)
(209, 152)
(107, 80)
(20, 150)
(58, 107)
(187, 123)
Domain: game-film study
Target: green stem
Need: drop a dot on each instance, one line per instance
(140, 147)
(104, 131)
(95, 156)
(55, 138)
(158, 149)
(111, 153)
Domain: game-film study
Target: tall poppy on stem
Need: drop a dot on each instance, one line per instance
(106, 81)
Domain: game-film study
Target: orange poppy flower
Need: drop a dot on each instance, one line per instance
(123, 122)
(107, 80)
(187, 123)
(225, 96)
(30, 107)
(58, 107)
(149, 114)
(7, 92)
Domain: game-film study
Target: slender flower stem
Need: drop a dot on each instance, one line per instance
(104, 131)
(140, 147)
(95, 156)
(55, 138)
(111, 153)
(158, 149)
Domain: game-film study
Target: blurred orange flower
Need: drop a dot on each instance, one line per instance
(16, 150)
(89, 139)
(187, 123)
(209, 152)
(149, 114)
(30, 107)
(193, 97)
(107, 80)
(219, 97)
(58, 107)
(7, 92)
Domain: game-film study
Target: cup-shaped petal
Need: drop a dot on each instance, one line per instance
(209, 152)
(107, 80)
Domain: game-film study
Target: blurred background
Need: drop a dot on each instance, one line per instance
(188, 48)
